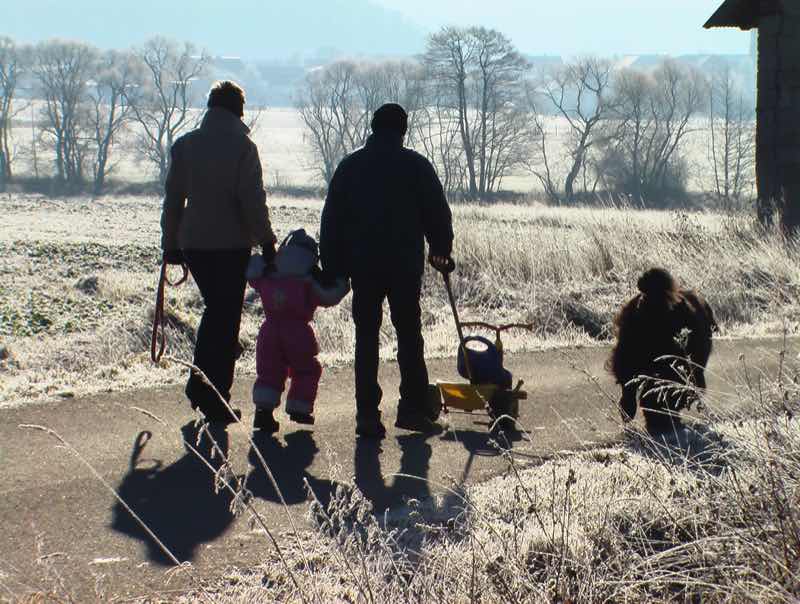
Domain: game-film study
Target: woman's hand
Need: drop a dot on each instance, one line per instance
(173, 257)
(443, 264)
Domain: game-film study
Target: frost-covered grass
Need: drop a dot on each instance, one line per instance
(77, 280)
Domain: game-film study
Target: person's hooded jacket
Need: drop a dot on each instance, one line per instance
(215, 198)
(383, 202)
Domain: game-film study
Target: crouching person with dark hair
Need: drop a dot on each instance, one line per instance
(664, 341)
(214, 212)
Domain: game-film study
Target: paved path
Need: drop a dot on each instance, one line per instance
(57, 517)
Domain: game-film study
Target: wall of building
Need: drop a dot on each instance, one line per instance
(779, 110)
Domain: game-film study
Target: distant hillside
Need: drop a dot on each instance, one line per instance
(255, 29)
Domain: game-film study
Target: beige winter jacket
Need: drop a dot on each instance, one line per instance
(215, 196)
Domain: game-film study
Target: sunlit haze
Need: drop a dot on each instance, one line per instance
(586, 26)
(281, 29)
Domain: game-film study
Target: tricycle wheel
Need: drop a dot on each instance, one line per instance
(433, 402)
(504, 403)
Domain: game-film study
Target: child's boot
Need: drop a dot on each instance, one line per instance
(266, 399)
(300, 411)
(302, 418)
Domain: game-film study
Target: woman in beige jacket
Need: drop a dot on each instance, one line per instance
(214, 212)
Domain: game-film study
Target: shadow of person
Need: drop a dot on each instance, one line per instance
(177, 502)
(411, 480)
(368, 474)
(478, 443)
(289, 464)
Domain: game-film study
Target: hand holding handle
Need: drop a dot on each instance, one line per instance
(443, 264)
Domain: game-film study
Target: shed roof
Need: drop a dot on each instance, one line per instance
(743, 14)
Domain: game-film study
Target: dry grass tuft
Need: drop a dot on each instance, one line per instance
(79, 277)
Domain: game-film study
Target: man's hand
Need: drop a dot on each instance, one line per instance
(173, 257)
(268, 252)
(443, 264)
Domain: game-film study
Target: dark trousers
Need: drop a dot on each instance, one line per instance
(403, 293)
(220, 276)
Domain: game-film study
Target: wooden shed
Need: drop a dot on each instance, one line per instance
(778, 100)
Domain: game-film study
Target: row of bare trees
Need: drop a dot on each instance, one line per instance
(92, 105)
(481, 112)
(466, 99)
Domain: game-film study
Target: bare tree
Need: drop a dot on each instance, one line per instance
(329, 107)
(482, 74)
(162, 107)
(434, 130)
(12, 63)
(116, 73)
(653, 115)
(450, 56)
(732, 130)
(63, 70)
(539, 162)
(580, 93)
(404, 82)
(336, 103)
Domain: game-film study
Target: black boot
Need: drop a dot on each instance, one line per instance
(223, 416)
(417, 421)
(264, 421)
(370, 426)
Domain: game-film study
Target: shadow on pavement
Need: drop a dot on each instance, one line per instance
(411, 479)
(176, 502)
(289, 462)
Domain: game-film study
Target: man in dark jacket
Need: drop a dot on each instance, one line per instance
(383, 202)
(214, 212)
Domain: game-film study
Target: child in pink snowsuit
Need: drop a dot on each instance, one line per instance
(287, 347)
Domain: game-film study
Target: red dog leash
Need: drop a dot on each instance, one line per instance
(158, 340)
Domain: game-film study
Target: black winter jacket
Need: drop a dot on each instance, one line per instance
(383, 201)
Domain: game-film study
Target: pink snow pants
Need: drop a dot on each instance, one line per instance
(287, 348)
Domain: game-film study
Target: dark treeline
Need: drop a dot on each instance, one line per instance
(480, 111)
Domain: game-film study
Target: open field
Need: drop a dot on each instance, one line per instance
(78, 279)
(286, 154)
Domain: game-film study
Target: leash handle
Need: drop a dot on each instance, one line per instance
(158, 338)
(447, 268)
(462, 345)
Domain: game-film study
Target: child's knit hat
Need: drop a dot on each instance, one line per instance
(298, 254)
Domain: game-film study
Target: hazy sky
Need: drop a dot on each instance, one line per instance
(586, 26)
(285, 28)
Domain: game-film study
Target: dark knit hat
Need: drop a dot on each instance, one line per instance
(302, 239)
(390, 117)
(298, 254)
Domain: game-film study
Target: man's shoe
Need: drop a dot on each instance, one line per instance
(223, 416)
(370, 427)
(418, 422)
(264, 421)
